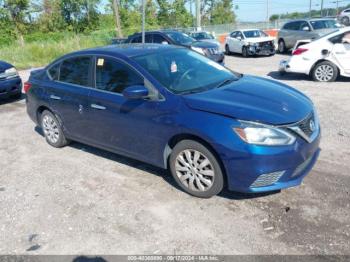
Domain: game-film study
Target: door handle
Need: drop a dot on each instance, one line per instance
(98, 107)
(55, 97)
(340, 53)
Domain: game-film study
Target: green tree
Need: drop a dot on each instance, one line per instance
(222, 12)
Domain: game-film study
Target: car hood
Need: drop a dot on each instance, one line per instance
(254, 99)
(322, 32)
(4, 66)
(259, 39)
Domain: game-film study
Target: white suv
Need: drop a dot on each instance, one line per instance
(344, 17)
(323, 59)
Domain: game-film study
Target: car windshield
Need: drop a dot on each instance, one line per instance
(183, 71)
(202, 36)
(324, 24)
(180, 38)
(254, 33)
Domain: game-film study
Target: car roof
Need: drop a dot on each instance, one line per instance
(128, 50)
(311, 19)
(162, 31)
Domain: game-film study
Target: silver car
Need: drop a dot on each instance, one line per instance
(344, 17)
(295, 30)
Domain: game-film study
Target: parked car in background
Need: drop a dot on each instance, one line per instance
(176, 109)
(323, 59)
(10, 82)
(173, 37)
(344, 17)
(204, 36)
(249, 42)
(295, 30)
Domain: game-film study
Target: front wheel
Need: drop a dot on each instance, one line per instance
(281, 47)
(245, 51)
(195, 169)
(325, 72)
(52, 130)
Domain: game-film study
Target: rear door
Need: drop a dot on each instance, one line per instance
(68, 93)
(341, 51)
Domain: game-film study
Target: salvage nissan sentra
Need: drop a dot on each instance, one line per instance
(176, 109)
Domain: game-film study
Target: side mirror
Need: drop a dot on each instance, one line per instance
(165, 43)
(239, 38)
(135, 92)
(306, 28)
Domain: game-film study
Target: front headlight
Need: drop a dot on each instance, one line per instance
(11, 72)
(257, 134)
(198, 50)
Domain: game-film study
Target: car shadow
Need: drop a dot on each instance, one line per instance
(11, 100)
(160, 172)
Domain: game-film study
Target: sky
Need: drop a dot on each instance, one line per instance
(256, 10)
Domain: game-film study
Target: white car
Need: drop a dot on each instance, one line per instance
(324, 59)
(250, 42)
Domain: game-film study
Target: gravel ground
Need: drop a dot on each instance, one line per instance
(83, 200)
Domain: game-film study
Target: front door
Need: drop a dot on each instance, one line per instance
(127, 126)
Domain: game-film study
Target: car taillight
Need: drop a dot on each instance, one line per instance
(26, 87)
(299, 51)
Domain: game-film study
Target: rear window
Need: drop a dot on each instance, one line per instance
(54, 71)
(292, 26)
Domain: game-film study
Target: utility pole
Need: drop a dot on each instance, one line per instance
(198, 14)
(321, 8)
(143, 20)
(117, 18)
(337, 7)
(267, 10)
(310, 4)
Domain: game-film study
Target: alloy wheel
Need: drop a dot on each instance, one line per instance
(194, 170)
(324, 73)
(281, 47)
(50, 129)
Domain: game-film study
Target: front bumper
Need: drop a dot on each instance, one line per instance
(219, 57)
(266, 169)
(10, 87)
(253, 50)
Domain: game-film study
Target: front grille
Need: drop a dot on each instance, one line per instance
(267, 179)
(301, 167)
(305, 125)
(266, 44)
(213, 51)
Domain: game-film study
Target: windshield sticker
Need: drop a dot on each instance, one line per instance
(100, 62)
(173, 67)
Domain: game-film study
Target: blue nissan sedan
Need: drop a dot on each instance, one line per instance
(10, 82)
(176, 109)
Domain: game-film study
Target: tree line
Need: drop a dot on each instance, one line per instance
(20, 18)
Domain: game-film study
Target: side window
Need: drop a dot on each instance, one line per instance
(239, 34)
(287, 26)
(296, 26)
(75, 71)
(136, 39)
(115, 76)
(54, 71)
(158, 39)
(233, 34)
(304, 24)
(148, 38)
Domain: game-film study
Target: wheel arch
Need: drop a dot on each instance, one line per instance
(173, 141)
(41, 109)
(320, 61)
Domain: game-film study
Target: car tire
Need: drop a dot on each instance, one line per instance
(325, 72)
(52, 130)
(227, 50)
(245, 51)
(281, 46)
(195, 169)
(345, 21)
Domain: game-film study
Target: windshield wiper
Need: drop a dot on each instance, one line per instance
(226, 82)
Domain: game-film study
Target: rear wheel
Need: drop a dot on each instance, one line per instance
(52, 130)
(195, 169)
(281, 46)
(325, 72)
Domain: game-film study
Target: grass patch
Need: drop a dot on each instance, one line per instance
(41, 53)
